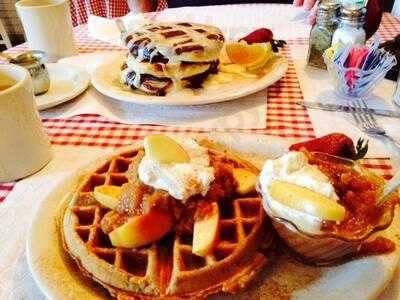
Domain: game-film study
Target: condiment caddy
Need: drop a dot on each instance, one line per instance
(356, 70)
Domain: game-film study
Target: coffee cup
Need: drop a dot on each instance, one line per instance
(24, 146)
(48, 27)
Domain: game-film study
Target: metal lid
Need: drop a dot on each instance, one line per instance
(28, 57)
(328, 10)
(329, 5)
(353, 13)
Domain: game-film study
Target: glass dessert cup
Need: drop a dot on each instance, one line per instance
(330, 247)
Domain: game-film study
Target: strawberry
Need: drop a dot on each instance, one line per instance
(336, 144)
(262, 35)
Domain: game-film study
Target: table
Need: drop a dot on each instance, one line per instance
(83, 137)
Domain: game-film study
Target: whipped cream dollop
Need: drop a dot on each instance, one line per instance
(294, 168)
(180, 180)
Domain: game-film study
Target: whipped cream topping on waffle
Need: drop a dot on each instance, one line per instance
(180, 180)
(293, 167)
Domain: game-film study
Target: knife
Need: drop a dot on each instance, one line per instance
(344, 108)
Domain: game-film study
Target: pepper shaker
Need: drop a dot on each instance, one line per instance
(322, 32)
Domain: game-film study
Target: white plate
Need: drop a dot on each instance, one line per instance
(359, 279)
(66, 82)
(106, 79)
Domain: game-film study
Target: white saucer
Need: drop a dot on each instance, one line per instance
(66, 82)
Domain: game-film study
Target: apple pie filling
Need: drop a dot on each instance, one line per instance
(140, 212)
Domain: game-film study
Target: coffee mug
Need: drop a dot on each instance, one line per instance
(24, 147)
(48, 27)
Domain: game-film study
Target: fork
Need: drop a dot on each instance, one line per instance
(366, 121)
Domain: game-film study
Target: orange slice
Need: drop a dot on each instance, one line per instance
(252, 56)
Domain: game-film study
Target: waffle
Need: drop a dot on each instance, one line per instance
(167, 268)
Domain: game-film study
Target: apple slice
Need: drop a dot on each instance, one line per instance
(108, 195)
(307, 201)
(142, 230)
(164, 149)
(206, 227)
(246, 181)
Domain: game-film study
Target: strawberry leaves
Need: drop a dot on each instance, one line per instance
(361, 148)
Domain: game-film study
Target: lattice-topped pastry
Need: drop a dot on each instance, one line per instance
(172, 266)
(163, 56)
(176, 42)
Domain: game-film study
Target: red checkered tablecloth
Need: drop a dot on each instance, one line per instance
(81, 9)
(284, 117)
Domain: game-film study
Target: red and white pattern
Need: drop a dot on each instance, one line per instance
(81, 9)
(284, 117)
(380, 166)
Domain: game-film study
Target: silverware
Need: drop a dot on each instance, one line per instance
(121, 26)
(345, 108)
(366, 121)
(390, 187)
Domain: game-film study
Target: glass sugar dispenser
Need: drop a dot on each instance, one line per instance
(350, 30)
(322, 32)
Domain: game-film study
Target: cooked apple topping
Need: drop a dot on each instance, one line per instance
(206, 227)
(165, 150)
(142, 211)
(246, 181)
(108, 195)
(142, 230)
(307, 201)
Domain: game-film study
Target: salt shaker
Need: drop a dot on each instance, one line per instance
(322, 32)
(351, 27)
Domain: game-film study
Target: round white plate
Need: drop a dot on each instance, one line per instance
(66, 82)
(106, 79)
(359, 279)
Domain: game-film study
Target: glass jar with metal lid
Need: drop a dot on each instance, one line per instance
(32, 61)
(351, 27)
(322, 32)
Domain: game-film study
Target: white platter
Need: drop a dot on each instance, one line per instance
(359, 279)
(66, 82)
(106, 79)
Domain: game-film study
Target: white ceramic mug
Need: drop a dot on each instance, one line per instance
(24, 147)
(47, 25)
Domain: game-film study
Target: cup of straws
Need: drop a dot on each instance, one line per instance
(356, 70)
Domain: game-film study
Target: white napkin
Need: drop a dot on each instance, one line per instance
(245, 113)
(251, 16)
(107, 30)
